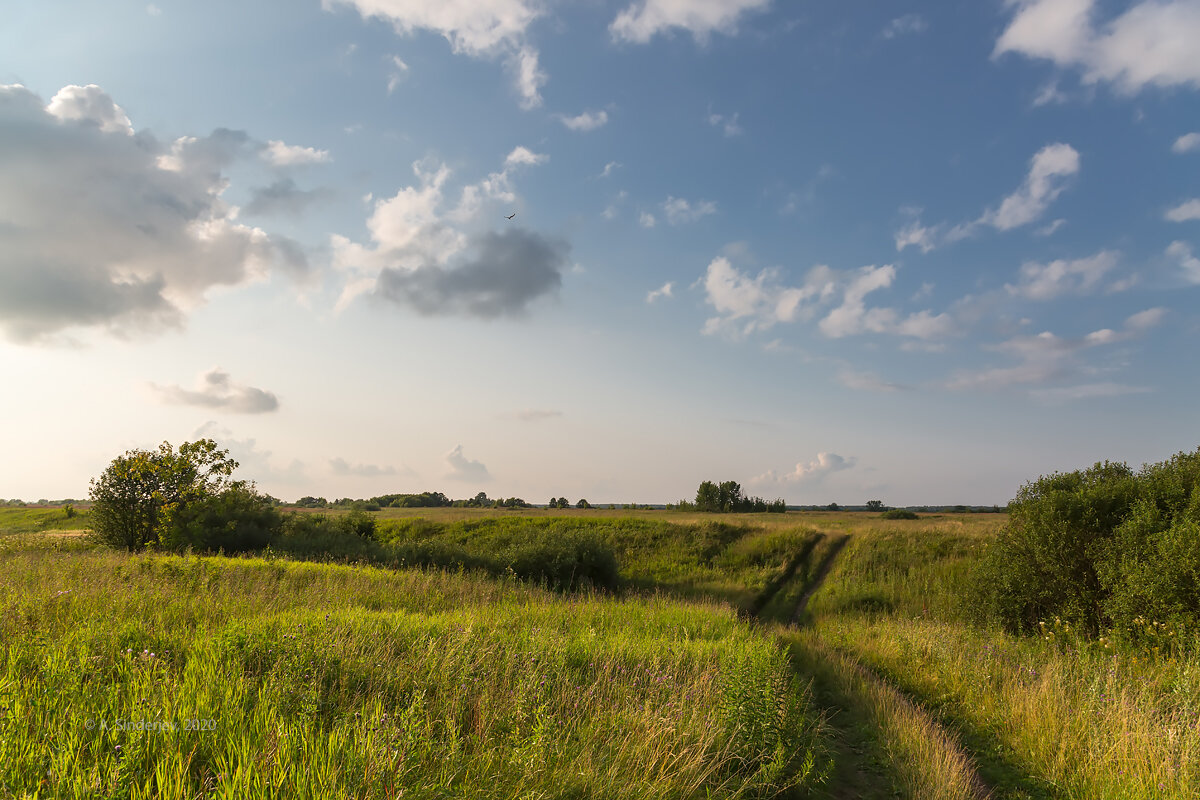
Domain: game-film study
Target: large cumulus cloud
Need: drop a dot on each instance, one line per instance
(105, 227)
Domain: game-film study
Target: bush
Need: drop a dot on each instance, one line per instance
(1098, 548)
(898, 513)
(236, 520)
(563, 563)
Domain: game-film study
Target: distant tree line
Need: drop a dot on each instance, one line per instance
(727, 498)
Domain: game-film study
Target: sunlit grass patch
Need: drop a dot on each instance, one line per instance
(247, 678)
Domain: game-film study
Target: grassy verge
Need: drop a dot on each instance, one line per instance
(1044, 718)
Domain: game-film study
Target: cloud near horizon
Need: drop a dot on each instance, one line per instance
(464, 469)
(814, 471)
(218, 391)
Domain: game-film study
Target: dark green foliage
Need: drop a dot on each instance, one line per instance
(875, 505)
(583, 504)
(236, 520)
(1098, 548)
(140, 492)
(898, 513)
(727, 498)
(312, 502)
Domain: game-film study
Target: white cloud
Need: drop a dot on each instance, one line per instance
(727, 123)
(609, 167)
(399, 70)
(914, 234)
(523, 155)
(745, 304)
(681, 212)
(1048, 281)
(1184, 212)
(1150, 43)
(1046, 180)
(1049, 94)
(464, 469)
(1190, 263)
(153, 10)
(662, 291)
(279, 154)
(1187, 143)
(814, 471)
(488, 29)
(907, 24)
(90, 105)
(1049, 170)
(421, 257)
(586, 121)
(1051, 228)
(853, 317)
(647, 220)
(216, 390)
(530, 77)
(642, 20)
(101, 232)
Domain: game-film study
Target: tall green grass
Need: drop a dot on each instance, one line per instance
(318, 680)
(1050, 716)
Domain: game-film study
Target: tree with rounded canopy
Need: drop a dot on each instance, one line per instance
(142, 492)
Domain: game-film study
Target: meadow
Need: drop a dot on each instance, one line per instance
(814, 654)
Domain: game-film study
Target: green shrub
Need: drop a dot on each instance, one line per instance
(237, 520)
(1098, 548)
(898, 513)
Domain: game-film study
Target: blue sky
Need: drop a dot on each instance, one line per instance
(920, 252)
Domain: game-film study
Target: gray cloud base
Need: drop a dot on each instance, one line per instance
(503, 275)
(102, 227)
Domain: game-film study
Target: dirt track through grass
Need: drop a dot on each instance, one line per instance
(877, 725)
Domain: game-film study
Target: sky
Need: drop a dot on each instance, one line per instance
(921, 252)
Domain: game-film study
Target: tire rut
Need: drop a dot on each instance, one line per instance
(976, 788)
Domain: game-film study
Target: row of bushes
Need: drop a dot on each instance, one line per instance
(1100, 548)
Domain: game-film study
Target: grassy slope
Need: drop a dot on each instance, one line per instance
(371, 682)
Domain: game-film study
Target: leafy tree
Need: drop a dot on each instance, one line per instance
(708, 497)
(583, 504)
(833, 507)
(875, 505)
(141, 492)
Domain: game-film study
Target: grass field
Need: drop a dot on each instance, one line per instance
(372, 681)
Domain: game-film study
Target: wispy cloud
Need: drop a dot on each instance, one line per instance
(644, 19)
(1184, 212)
(1049, 170)
(586, 121)
(1188, 143)
(680, 212)
(662, 291)
(905, 25)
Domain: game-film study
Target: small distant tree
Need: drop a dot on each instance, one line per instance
(833, 507)
(875, 505)
(583, 504)
(708, 497)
